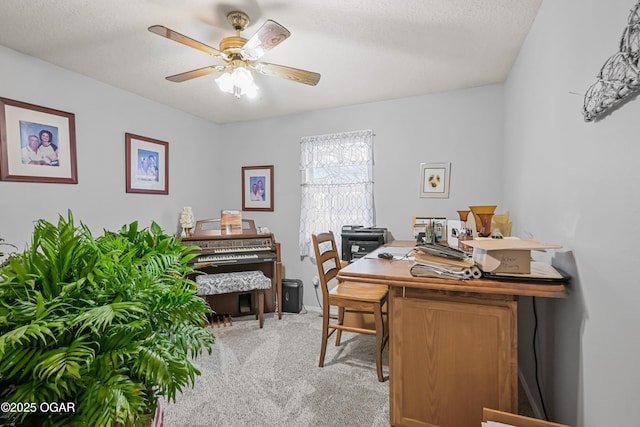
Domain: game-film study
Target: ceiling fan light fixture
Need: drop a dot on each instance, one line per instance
(240, 56)
(238, 82)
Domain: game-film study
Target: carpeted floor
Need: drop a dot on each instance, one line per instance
(270, 377)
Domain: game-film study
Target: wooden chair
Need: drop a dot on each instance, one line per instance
(516, 420)
(348, 297)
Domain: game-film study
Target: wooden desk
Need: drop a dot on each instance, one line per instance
(453, 346)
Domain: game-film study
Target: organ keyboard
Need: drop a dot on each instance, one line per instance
(248, 250)
(220, 259)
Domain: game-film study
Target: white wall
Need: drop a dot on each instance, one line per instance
(103, 115)
(463, 127)
(576, 184)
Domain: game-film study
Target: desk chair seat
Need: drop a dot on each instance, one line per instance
(348, 297)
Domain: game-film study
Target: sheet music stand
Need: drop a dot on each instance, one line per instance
(213, 227)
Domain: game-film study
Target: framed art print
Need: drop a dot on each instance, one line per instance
(257, 188)
(434, 179)
(147, 165)
(37, 144)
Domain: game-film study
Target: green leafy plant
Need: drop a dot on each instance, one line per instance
(4, 244)
(108, 324)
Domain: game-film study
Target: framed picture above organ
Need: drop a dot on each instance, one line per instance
(257, 188)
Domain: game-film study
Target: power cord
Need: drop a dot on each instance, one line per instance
(535, 357)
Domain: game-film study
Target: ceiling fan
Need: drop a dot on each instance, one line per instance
(240, 55)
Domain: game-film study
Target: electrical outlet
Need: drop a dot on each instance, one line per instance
(315, 281)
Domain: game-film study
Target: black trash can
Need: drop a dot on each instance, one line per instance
(292, 295)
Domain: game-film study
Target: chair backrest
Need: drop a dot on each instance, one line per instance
(327, 259)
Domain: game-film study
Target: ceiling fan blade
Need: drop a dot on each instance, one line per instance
(295, 74)
(270, 35)
(178, 78)
(187, 41)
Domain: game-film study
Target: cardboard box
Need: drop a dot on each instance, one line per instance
(503, 261)
(505, 255)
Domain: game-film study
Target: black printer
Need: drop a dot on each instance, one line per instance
(357, 241)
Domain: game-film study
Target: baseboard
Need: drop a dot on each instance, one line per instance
(528, 391)
(314, 309)
(333, 311)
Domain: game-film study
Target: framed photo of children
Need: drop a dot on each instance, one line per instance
(146, 165)
(434, 179)
(37, 144)
(257, 188)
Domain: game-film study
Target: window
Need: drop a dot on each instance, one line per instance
(337, 184)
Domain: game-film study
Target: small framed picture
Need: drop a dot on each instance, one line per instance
(37, 144)
(147, 165)
(434, 179)
(257, 188)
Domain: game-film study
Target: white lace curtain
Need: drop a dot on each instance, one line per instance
(337, 184)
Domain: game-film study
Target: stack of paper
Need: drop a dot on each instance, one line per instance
(495, 424)
(433, 260)
(441, 251)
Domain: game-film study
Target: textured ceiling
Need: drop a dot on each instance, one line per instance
(365, 50)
